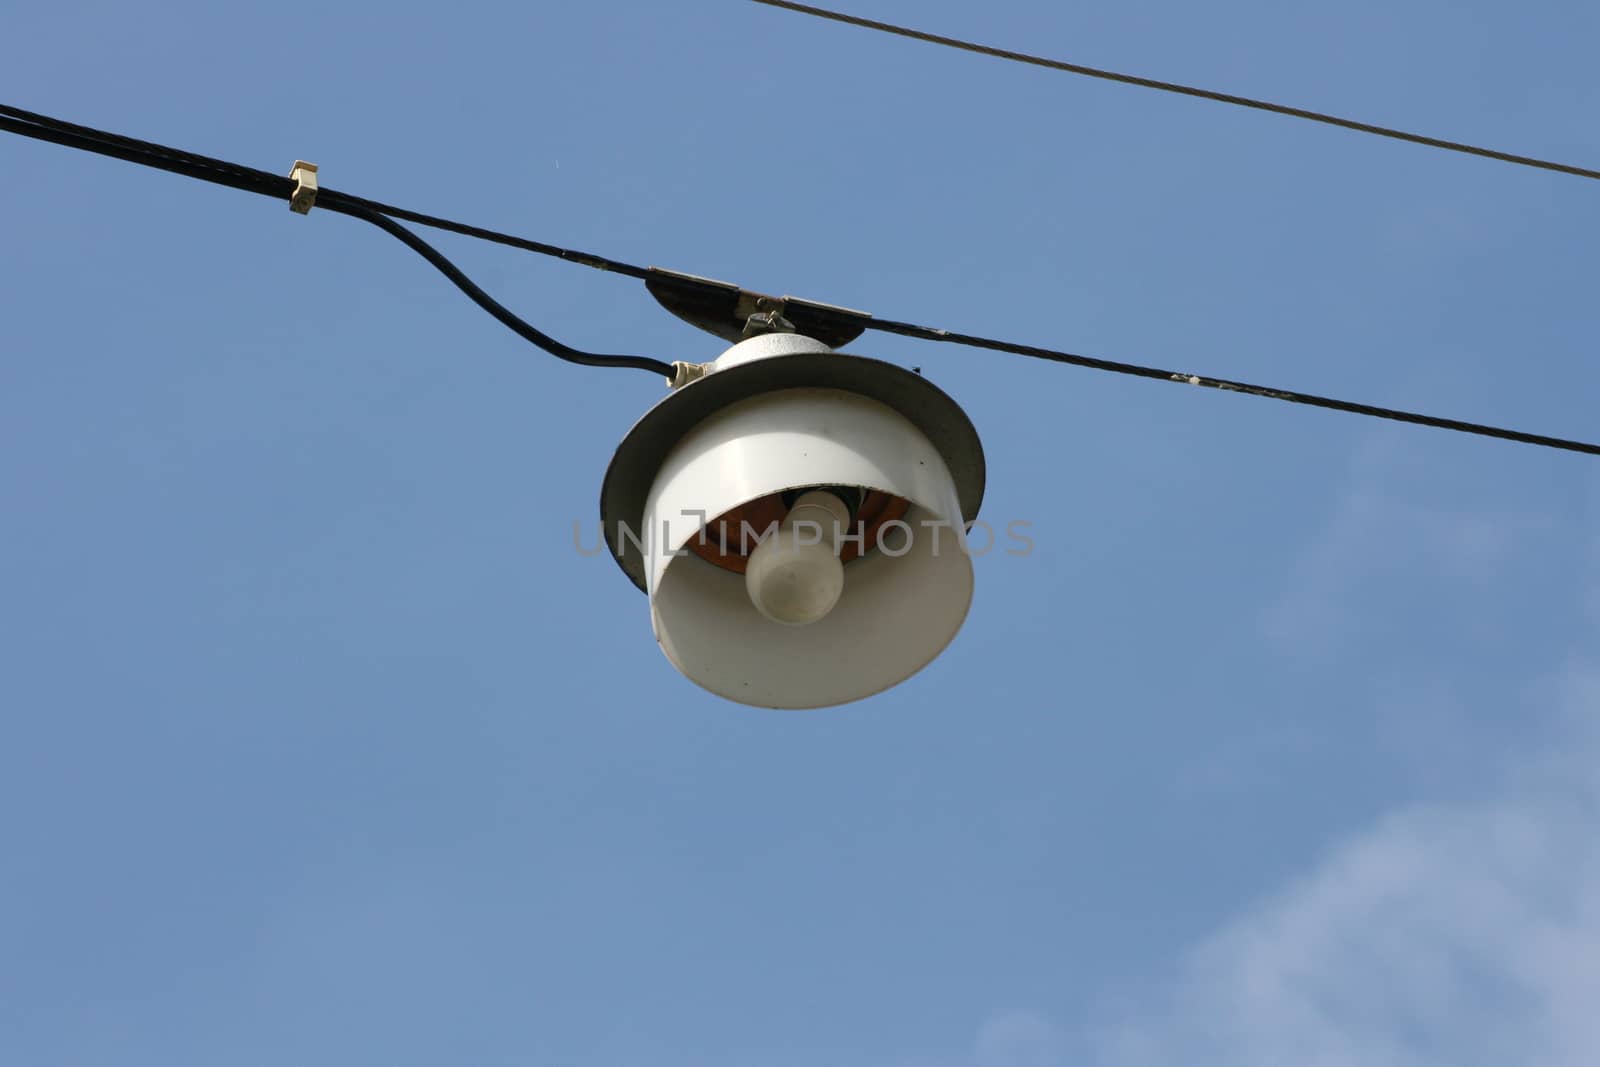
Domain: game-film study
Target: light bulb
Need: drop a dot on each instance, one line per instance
(794, 577)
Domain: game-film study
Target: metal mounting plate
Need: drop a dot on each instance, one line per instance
(722, 309)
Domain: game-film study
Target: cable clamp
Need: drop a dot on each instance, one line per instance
(684, 373)
(304, 196)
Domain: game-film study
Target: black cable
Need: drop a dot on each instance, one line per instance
(276, 185)
(198, 165)
(1174, 87)
(488, 303)
(175, 162)
(232, 175)
(235, 176)
(585, 259)
(925, 333)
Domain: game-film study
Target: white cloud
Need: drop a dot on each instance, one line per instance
(1452, 936)
(1461, 934)
(1387, 525)
(1442, 935)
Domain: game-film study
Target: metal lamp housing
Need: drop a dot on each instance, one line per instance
(776, 414)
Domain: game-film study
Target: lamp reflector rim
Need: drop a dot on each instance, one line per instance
(633, 469)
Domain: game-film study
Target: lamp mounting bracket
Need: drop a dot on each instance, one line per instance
(734, 314)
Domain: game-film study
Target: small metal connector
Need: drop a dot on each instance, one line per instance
(767, 322)
(684, 373)
(305, 187)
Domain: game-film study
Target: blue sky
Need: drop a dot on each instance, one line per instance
(319, 743)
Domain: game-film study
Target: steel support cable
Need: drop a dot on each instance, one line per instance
(277, 185)
(1175, 87)
(261, 182)
(925, 333)
(232, 175)
(265, 184)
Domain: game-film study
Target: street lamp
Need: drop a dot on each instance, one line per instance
(797, 518)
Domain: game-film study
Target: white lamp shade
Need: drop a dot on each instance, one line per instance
(777, 414)
(901, 604)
